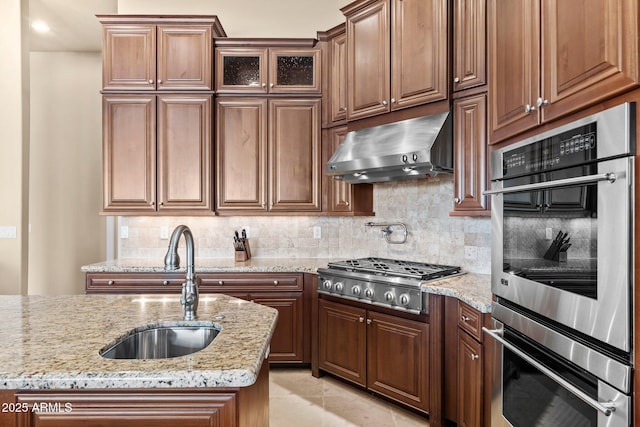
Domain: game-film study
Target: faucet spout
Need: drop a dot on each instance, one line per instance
(190, 295)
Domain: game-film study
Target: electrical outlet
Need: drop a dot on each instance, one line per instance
(549, 235)
(164, 232)
(8, 232)
(317, 232)
(124, 232)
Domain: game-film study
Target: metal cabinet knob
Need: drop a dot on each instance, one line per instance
(150, 82)
(393, 100)
(360, 319)
(275, 282)
(165, 282)
(271, 84)
(152, 203)
(457, 200)
(456, 79)
(542, 102)
(529, 108)
(384, 102)
(110, 282)
(159, 81)
(368, 321)
(464, 318)
(220, 282)
(346, 203)
(264, 85)
(474, 356)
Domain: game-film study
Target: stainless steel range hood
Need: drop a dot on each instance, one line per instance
(409, 149)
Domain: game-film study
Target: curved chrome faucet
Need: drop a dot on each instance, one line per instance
(189, 296)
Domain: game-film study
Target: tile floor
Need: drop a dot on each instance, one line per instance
(297, 399)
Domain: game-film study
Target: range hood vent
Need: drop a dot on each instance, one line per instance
(415, 148)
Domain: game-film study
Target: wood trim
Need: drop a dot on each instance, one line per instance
(356, 5)
(436, 366)
(266, 42)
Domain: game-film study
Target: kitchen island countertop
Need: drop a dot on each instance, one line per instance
(52, 342)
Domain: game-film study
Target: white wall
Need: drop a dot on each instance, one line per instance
(66, 170)
(14, 147)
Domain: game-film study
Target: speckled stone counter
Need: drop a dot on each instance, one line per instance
(212, 265)
(473, 289)
(52, 342)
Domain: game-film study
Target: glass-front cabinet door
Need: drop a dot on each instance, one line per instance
(267, 70)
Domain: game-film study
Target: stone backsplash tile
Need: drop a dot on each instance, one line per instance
(424, 206)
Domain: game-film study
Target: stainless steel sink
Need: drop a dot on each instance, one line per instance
(161, 341)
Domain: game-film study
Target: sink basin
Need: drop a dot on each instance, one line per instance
(161, 341)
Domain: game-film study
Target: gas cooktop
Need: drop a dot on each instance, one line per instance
(396, 268)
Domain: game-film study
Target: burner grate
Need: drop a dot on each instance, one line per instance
(397, 268)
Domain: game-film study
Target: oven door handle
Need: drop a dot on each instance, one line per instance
(605, 407)
(567, 182)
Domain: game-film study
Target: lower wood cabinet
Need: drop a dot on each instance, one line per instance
(384, 353)
(286, 292)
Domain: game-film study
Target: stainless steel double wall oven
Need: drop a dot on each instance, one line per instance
(562, 257)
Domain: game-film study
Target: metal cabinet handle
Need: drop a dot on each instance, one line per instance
(456, 79)
(110, 282)
(605, 407)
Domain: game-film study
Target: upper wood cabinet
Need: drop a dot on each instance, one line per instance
(268, 154)
(334, 91)
(397, 55)
(550, 58)
(262, 70)
(470, 154)
(146, 53)
(156, 153)
(469, 44)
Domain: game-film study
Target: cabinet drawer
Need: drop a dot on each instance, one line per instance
(134, 282)
(470, 320)
(248, 282)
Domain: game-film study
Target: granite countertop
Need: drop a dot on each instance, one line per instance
(211, 265)
(52, 342)
(471, 288)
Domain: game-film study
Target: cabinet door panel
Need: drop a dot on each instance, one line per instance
(241, 154)
(338, 77)
(514, 78)
(469, 43)
(470, 385)
(129, 153)
(419, 52)
(294, 70)
(398, 358)
(129, 57)
(339, 191)
(184, 58)
(184, 152)
(470, 147)
(294, 153)
(368, 58)
(241, 70)
(343, 341)
(587, 56)
(287, 341)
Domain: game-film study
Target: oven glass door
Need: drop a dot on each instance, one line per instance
(561, 247)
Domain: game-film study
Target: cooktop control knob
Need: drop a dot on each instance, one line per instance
(368, 293)
(389, 297)
(404, 299)
(338, 286)
(356, 291)
(326, 285)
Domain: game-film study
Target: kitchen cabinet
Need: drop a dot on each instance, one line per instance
(466, 395)
(157, 153)
(210, 407)
(334, 43)
(268, 154)
(469, 44)
(397, 55)
(267, 70)
(470, 153)
(145, 53)
(544, 64)
(387, 354)
(286, 292)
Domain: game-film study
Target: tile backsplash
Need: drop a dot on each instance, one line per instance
(424, 206)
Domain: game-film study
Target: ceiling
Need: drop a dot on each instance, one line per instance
(73, 24)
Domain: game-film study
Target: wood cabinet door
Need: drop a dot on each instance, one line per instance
(128, 409)
(129, 152)
(368, 61)
(241, 70)
(338, 78)
(469, 44)
(398, 359)
(470, 148)
(241, 153)
(294, 154)
(470, 384)
(294, 70)
(129, 57)
(514, 75)
(589, 50)
(287, 343)
(342, 341)
(419, 54)
(184, 152)
(184, 57)
(339, 192)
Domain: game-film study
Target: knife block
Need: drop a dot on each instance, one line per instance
(243, 255)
